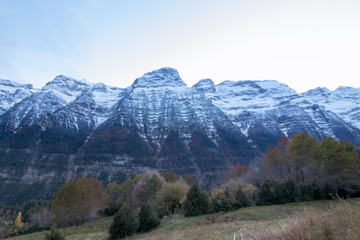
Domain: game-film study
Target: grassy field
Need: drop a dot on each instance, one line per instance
(252, 220)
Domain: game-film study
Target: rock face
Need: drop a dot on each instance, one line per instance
(72, 127)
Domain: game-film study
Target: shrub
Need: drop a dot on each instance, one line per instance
(125, 222)
(54, 234)
(148, 219)
(329, 191)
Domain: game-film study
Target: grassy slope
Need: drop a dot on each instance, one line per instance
(215, 226)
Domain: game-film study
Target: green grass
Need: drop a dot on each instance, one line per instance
(214, 226)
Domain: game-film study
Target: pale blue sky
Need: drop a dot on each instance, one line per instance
(302, 43)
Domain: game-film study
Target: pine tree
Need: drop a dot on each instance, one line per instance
(196, 202)
(240, 199)
(266, 194)
(293, 191)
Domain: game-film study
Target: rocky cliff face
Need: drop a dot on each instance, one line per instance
(72, 127)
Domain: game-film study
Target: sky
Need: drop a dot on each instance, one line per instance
(304, 44)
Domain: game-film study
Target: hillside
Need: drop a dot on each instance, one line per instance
(251, 220)
(71, 127)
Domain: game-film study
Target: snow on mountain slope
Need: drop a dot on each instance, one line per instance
(63, 101)
(160, 100)
(12, 92)
(71, 128)
(277, 109)
(344, 101)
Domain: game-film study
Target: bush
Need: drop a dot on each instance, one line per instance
(329, 191)
(307, 192)
(54, 234)
(196, 202)
(148, 219)
(125, 222)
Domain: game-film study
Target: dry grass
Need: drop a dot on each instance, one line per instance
(340, 221)
(309, 220)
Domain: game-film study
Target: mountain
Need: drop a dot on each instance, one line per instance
(72, 127)
(12, 92)
(266, 110)
(344, 101)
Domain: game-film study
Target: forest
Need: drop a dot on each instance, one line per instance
(297, 169)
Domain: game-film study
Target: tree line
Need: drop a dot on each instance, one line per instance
(296, 169)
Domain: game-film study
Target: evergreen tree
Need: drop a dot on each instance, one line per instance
(266, 195)
(148, 219)
(222, 200)
(240, 199)
(125, 222)
(293, 193)
(196, 202)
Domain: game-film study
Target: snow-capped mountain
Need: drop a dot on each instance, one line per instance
(265, 110)
(12, 92)
(72, 127)
(344, 101)
(63, 102)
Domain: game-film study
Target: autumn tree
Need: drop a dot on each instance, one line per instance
(301, 152)
(114, 191)
(77, 201)
(271, 166)
(235, 171)
(171, 194)
(146, 188)
(339, 162)
(169, 176)
(189, 179)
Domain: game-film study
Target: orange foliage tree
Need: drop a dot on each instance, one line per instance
(77, 201)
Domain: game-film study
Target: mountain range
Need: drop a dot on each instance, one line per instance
(72, 127)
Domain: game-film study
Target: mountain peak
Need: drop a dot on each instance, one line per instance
(11, 84)
(62, 82)
(317, 91)
(205, 85)
(159, 78)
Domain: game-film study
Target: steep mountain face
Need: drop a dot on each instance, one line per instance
(12, 92)
(72, 127)
(266, 110)
(344, 101)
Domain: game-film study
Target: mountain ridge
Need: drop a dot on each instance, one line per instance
(72, 127)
